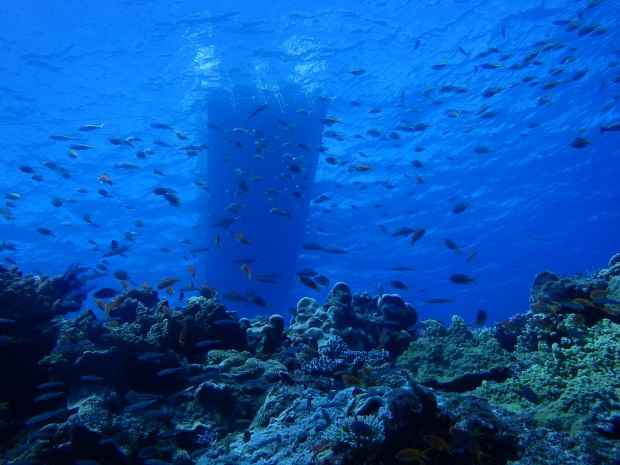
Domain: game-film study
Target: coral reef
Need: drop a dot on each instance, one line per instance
(352, 381)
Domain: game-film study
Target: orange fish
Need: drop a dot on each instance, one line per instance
(183, 336)
(241, 238)
(101, 304)
(115, 303)
(362, 167)
(582, 302)
(191, 270)
(437, 443)
(166, 309)
(208, 290)
(166, 283)
(248, 272)
(350, 380)
(411, 454)
(475, 449)
(125, 285)
(105, 179)
(541, 308)
(169, 290)
(598, 293)
(547, 300)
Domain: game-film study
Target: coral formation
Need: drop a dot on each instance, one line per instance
(352, 381)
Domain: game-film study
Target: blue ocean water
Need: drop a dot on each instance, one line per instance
(489, 97)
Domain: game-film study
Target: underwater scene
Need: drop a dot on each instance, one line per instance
(297, 232)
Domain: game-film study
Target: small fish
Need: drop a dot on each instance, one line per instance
(121, 275)
(411, 454)
(241, 238)
(247, 271)
(362, 167)
(452, 246)
(280, 212)
(169, 371)
(580, 143)
(357, 71)
(460, 207)
(82, 147)
(44, 417)
(48, 396)
(164, 283)
(259, 301)
(235, 297)
(461, 278)
(311, 246)
(403, 232)
(105, 293)
(481, 317)
(257, 110)
(173, 200)
(322, 280)
(438, 300)
(610, 127)
(334, 250)
(207, 343)
(45, 231)
(126, 165)
(91, 127)
(183, 335)
(105, 179)
(396, 284)
(437, 443)
(162, 126)
(309, 282)
(50, 385)
(417, 235)
(61, 137)
(491, 65)
(141, 405)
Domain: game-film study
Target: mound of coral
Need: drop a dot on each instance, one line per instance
(357, 380)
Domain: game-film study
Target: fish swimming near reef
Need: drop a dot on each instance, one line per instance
(164, 283)
(105, 293)
(309, 282)
(396, 284)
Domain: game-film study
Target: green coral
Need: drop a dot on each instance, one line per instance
(445, 354)
(571, 379)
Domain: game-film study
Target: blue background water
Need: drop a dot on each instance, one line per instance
(536, 202)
